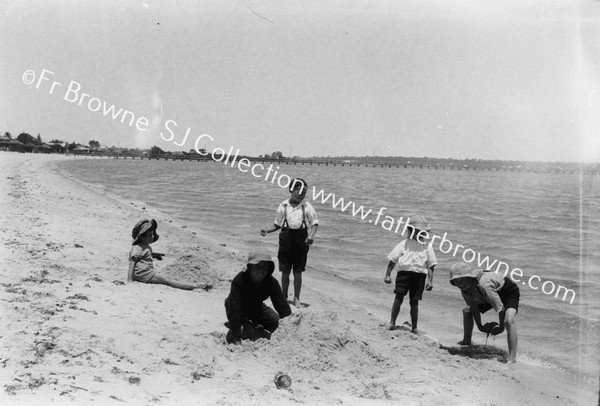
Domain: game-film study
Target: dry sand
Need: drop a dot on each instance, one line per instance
(74, 332)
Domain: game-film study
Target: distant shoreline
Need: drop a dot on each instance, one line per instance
(375, 160)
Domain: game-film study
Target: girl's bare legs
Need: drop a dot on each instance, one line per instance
(165, 280)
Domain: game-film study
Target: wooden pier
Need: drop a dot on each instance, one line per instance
(344, 163)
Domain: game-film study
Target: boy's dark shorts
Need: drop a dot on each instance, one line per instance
(411, 282)
(293, 250)
(509, 295)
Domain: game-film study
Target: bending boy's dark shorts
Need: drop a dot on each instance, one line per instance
(509, 294)
(292, 250)
(411, 282)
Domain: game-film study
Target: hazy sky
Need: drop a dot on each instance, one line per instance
(513, 79)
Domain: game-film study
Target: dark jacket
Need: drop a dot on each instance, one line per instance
(246, 298)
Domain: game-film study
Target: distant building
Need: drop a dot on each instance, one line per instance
(81, 150)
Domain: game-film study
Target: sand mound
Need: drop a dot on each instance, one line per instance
(320, 341)
(194, 268)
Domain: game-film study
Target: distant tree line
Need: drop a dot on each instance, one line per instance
(56, 145)
(273, 155)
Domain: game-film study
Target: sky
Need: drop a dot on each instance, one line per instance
(514, 80)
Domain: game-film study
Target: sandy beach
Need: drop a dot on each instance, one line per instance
(73, 331)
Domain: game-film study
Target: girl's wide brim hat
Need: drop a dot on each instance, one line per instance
(143, 226)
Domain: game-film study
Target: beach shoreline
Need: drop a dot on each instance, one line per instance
(75, 333)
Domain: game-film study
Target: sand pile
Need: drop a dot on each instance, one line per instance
(194, 267)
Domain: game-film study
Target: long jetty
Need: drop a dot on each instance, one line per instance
(374, 164)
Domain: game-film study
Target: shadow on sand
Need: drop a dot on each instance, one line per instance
(478, 352)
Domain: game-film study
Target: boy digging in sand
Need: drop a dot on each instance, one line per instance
(482, 291)
(294, 218)
(416, 261)
(141, 266)
(248, 317)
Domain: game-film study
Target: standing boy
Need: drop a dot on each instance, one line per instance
(416, 260)
(294, 217)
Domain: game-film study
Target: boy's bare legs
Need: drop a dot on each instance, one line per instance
(297, 287)
(414, 314)
(285, 282)
(395, 311)
(164, 280)
(511, 334)
(467, 327)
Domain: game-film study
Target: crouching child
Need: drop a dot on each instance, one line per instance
(482, 291)
(248, 317)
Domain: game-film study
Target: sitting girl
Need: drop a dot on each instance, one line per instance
(141, 267)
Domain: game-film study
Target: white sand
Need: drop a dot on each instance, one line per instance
(73, 333)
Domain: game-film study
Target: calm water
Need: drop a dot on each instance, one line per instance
(546, 224)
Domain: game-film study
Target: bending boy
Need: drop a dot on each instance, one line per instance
(482, 291)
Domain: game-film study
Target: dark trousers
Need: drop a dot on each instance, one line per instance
(293, 250)
(258, 324)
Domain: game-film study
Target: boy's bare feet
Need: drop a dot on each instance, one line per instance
(464, 342)
(392, 326)
(297, 302)
(415, 331)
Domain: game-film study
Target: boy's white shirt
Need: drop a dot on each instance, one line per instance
(413, 261)
(294, 214)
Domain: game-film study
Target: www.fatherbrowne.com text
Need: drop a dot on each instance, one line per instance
(74, 94)
(402, 227)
